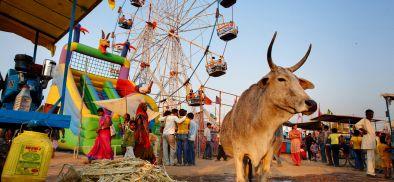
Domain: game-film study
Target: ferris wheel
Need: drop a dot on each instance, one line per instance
(169, 39)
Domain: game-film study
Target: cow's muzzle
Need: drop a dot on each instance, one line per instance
(312, 107)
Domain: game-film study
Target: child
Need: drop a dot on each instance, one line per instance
(385, 156)
(128, 139)
(315, 149)
(154, 142)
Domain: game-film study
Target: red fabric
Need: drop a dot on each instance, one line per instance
(283, 147)
(125, 87)
(142, 149)
(303, 154)
(141, 134)
(102, 146)
(296, 158)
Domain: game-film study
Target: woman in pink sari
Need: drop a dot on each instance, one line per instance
(102, 146)
(295, 137)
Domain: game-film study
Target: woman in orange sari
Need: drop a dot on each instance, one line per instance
(295, 137)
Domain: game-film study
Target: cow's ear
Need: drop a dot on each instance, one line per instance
(263, 82)
(305, 84)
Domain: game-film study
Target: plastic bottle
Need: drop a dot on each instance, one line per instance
(28, 158)
(23, 100)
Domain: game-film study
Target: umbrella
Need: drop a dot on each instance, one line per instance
(127, 104)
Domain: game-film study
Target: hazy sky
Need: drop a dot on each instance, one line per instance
(351, 62)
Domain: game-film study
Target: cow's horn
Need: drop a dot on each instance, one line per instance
(269, 57)
(302, 61)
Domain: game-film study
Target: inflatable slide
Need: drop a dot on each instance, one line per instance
(92, 76)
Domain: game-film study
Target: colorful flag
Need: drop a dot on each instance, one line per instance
(207, 101)
(111, 4)
(218, 101)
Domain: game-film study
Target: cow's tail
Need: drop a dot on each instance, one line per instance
(248, 167)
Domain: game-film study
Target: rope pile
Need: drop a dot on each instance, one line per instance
(122, 170)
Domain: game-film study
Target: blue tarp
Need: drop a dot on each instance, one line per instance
(11, 117)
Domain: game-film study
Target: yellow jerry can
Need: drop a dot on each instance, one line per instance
(28, 158)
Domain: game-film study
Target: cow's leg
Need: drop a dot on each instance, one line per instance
(265, 166)
(239, 167)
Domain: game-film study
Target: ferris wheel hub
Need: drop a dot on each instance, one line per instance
(152, 24)
(172, 33)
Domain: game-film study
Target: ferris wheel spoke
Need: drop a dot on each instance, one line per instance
(188, 11)
(186, 40)
(203, 10)
(205, 6)
(157, 82)
(162, 49)
(199, 17)
(194, 29)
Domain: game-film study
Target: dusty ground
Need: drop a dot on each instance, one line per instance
(211, 170)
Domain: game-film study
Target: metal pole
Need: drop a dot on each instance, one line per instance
(375, 126)
(220, 108)
(80, 111)
(389, 120)
(201, 121)
(70, 31)
(35, 45)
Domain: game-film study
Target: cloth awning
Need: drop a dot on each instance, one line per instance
(51, 18)
(388, 96)
(340, 119)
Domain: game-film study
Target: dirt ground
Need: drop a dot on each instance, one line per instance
(211, 170)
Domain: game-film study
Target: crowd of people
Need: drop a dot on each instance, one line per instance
(137, 138)
(178, 135)
(326, 145)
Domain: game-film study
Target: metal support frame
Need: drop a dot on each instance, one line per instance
(68, 57)
(387, 99)
(35, 45)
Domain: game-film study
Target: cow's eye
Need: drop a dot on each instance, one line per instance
(281, 79)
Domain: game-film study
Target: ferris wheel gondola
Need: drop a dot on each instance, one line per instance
(227, 3)
(216, 68)
(138, 3)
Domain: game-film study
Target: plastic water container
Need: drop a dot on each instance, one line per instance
(23, 100)
(28, 158)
